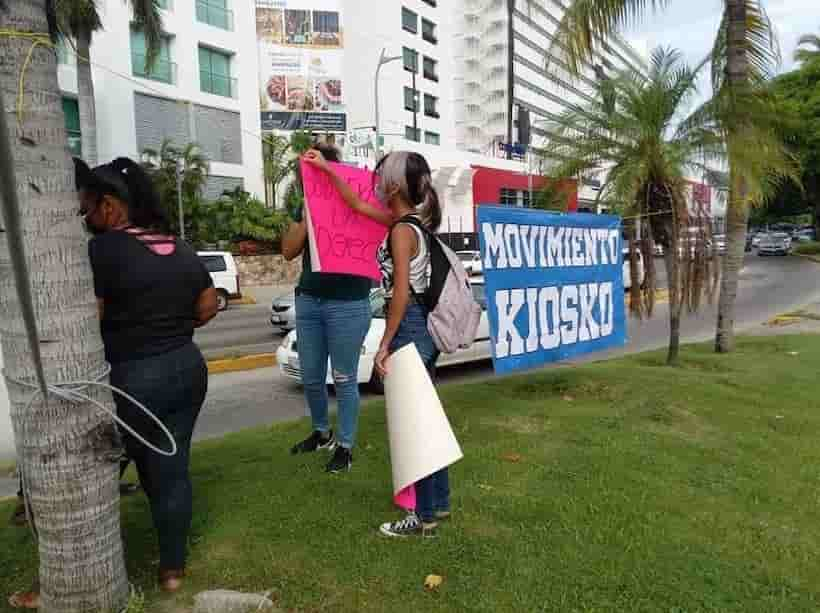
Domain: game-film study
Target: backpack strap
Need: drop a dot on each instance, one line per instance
(413, 221)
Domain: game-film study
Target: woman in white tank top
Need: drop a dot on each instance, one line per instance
(404, 184)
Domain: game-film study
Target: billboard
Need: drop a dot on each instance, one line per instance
(301, 47)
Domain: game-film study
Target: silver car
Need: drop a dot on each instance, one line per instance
(777, 243)
(283, 313)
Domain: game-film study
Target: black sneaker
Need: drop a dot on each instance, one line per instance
(341, 462)
(315, 442)
(409, 526)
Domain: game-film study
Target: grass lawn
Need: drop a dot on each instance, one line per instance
(615, 486)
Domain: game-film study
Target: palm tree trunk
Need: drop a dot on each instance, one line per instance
(737, 78)
(64, 450)
(673, 283)
(85, 94)
(736, 220)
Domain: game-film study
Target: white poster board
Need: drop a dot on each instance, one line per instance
(422, 441)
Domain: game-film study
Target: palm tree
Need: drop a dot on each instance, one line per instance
(743, 55)
(193, 168)
(632, 125)
(812, 41)
(78, 20)
(65, 450)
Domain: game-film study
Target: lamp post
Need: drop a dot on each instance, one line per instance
(383, 59)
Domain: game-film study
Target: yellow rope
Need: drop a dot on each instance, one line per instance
(36, 39)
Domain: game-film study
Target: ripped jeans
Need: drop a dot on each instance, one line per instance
(335, 329)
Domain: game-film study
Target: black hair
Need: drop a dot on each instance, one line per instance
(126, 180)
(330, 152)
(420, 191)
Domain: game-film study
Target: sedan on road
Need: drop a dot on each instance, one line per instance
(287, 356)
(778, 243)
(283, 312)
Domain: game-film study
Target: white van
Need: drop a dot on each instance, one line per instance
(224, 273)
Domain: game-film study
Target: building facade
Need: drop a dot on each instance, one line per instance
(201, 89)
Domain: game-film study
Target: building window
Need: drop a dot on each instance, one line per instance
(411, 99)
(411, 133)
(432, 138)
(430, 106)
(428, 31)
(430, 71)
(214, 13)
(163, 69)
(409, 21)
(411, 59)
(509, 197)
(165, 5)
(215, 73)
(71, 111)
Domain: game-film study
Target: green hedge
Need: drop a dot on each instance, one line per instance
(808, 248)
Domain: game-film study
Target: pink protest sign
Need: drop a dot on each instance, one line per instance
(341, 240)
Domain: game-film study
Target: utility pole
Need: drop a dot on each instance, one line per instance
(179, 169)
(510, 75)
(383, 59)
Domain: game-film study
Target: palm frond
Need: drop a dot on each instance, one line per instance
(586, 24)
(77, 18)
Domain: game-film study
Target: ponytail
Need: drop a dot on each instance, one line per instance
(144, 204)
(431, 208)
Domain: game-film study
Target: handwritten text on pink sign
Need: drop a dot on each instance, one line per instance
(346, 241)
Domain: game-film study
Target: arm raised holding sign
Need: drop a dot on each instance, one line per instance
(315, 158)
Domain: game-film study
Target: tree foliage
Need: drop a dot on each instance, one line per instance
(798, 98)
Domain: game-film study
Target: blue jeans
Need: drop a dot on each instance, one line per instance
(433, 492)
(173, 387)
(336, 329)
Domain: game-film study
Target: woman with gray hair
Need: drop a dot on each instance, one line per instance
(404, 183)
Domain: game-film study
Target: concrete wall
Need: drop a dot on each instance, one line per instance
(258, 270)
(6, 436)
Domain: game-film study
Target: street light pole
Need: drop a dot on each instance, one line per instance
(383, 59)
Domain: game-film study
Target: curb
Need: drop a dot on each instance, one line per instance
(813, 258)
(248, 362)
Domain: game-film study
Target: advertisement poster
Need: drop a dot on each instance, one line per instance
(301, 47)
(554, 285)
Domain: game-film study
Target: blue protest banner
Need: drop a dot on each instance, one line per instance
(554, 284)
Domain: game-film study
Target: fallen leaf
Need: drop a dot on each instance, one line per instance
(515, 458)
(433, 582)
(793, 353)
(778, 417)
(569, 398)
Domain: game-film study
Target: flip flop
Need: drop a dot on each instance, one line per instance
(25, 600)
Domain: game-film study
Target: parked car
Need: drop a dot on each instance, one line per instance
(471, 261)
(283, 312)
(225, 275)
(776, 243)
(756, 238)
(287, 356)
(749, 241)
(806, 236)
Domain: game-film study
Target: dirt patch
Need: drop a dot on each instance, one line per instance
(519, 424)
(672, 420)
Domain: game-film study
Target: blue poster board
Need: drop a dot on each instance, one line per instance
(554, 285)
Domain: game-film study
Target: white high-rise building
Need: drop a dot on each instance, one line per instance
(201, 89)
(494, 38)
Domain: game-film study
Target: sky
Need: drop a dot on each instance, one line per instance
(690, 26)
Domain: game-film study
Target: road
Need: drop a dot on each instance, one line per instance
(769, 286)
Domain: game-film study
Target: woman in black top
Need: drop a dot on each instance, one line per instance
(152, 292)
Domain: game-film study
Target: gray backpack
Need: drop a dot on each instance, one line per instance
(454, 314)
